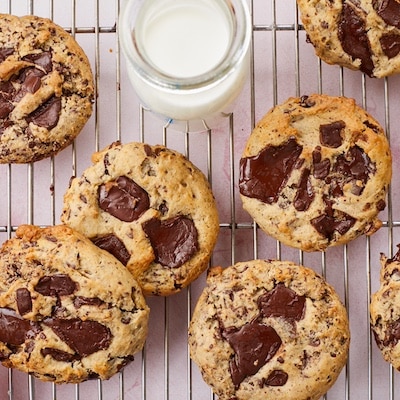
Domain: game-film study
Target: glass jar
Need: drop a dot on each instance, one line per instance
(186, 59)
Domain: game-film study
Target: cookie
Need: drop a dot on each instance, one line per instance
(269, 330)
(151, 208)
(46, 88)
(315, 172)
(69, 311)
(385, 310)
(357, 34)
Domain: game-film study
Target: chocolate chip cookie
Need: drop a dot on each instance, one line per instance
(385, 310)
(151, 208)
(269, 330)
(315, 172)
(69, 311)
(357, 34)
(46, 88)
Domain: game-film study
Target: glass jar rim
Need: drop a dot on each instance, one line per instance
(236, 51)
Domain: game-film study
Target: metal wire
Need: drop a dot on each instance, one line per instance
(240, 236)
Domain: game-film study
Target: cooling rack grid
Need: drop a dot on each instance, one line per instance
(282, 64)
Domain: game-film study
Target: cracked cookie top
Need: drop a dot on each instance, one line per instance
(269, 330)
(357, 34)
(46, 88)
(151, 208)
(69, 311)
(315, 172)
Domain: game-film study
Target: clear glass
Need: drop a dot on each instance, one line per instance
(186, 59)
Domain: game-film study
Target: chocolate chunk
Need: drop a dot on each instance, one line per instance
(7, 93)
(265, 175)
(5, 52)
(381, 205)
(396, 257)
(372, 126)
(58, 355)
(114, 246)
(305, 193)
(390, 44)
(388, 10)
(354, 165)
(254, 345)
(7, 90)
(80, 301)
(5, 106)
(282, 302)
(56, 285)
(276, 378)
(14, 330)
(321, 167)
(123, 198)
(392, 335)
(24, 301)
(327, 225)
(174, 240)
(330, 135)
(353, 36)
(48, 114)
(42, 60)
(306, 102)
(83, 337)
(30, 80)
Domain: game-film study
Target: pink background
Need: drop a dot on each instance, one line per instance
(283, 65)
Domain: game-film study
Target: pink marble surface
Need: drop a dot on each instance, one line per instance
(33, 194)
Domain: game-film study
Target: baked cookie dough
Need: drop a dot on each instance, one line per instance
(69, 311)
(46, 88)
(357, 34)
(315, 172)
(269, 330)
(385, 310)
(151, 208)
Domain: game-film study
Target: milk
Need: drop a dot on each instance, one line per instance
(184, 40)
(183, 56)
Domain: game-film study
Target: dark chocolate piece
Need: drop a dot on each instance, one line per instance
(114, 246)
(254, 345)
(14, 330)
(306, 102)
(174, 240)
(24, 301)
(123, 198)
(330, 135)
(83, 337)
(43, 60)
(388, 10)
(390, 43)
(265, 175)
(7, 93)
(56, 285)
(392, 335)
(80, 301)
(305, 193)
(327, 225)
(354, 166)
(396, 257)
(282, 302)
(353, 36)
(48, 114)
(58, 355)
(30, 80)
(321, 167)
(276, 378)
(5, 52)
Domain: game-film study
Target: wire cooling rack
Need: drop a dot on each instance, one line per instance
(283, 64)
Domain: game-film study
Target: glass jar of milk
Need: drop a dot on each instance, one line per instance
(186, 59)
